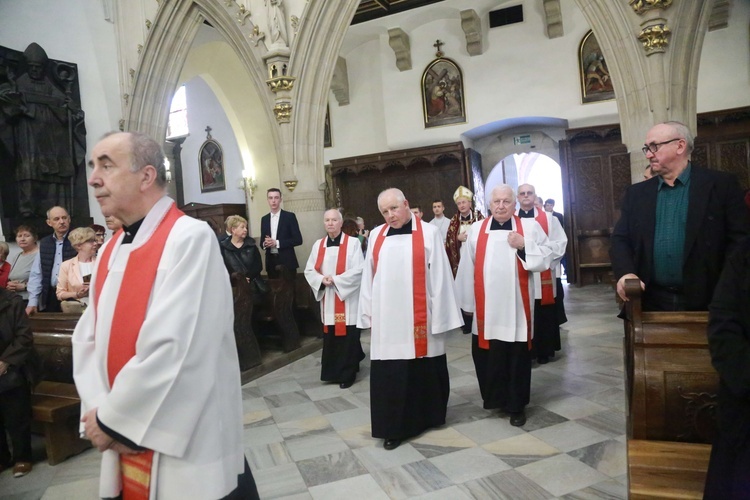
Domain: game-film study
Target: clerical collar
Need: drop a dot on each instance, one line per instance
(526, 215)
(131, 230)
(505, 226)
(333, 242)
(465, 218)
(405, 229)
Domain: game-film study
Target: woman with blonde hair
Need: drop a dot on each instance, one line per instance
(240, 253)
(75, 273)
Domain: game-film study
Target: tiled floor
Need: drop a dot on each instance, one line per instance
(308, 440)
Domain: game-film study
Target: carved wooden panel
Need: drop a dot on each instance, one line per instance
(734, 158)
(423, 174)
(701, 155)
(620, 167)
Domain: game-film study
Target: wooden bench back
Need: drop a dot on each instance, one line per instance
(53, 334)
(671, 384)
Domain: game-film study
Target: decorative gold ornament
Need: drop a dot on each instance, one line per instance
(290, 185)
(228, 3)
(655, 38)
(641, 6)
(148, 24)
(257, 35)
(242, 14)
(283, 112)
(281, 83)
(295, 22)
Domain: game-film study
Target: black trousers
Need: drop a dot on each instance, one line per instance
(15, 419)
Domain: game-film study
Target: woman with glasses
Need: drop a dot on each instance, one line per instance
(75, 274)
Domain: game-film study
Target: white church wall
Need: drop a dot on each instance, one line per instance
(204, 110)
(74, 31)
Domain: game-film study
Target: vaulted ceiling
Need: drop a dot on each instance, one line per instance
(373, 9)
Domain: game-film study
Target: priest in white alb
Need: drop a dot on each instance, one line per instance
(407, 300)
(546, 325)
(496, 283)
(334, 272)
(154, 356)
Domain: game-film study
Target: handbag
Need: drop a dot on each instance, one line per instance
(12, 379)
(260, 286)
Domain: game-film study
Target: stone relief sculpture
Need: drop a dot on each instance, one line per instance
(42, 136)
(277, 24)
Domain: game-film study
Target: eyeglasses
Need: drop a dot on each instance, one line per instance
(525, 193)
(654, 146)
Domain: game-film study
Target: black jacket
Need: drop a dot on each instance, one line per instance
(16, 339)
(288, 236)
(716, 222)
(729, 342)
(244, 260)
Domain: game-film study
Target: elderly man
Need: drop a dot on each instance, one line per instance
(407, 299)
(53, 251)
(676, 229)
(155, 360)
(457, 234)
(495, 281)
(546, 325)
(334, 272)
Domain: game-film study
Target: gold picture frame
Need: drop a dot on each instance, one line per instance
(443, 93)
(211, 167)
(596, 82)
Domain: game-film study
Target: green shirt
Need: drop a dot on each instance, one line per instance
(669, 234)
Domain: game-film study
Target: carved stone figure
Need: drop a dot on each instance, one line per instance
(277, 24)
(43, 134)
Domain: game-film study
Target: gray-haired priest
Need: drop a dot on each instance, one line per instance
(334, 271)
(496, 282)
(407, 299)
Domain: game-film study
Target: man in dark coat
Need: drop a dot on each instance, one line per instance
(280, 234)
(676, 229)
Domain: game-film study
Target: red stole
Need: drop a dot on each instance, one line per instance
(548, 294)
(523, 283)
(130, 313)
(339, 309)
(419, 289)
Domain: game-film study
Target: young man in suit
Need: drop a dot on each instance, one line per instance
(676, 229)
(280, 233)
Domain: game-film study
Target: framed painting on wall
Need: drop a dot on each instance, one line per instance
(211, 159)
(443, 93)
(596, 83)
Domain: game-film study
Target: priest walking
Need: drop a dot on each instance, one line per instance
(154, 355)
(496, 282)
(407, 299)
(334, 271)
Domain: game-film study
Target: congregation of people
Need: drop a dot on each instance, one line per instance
(140, 355)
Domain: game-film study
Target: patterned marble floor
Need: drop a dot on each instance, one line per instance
(308, 440)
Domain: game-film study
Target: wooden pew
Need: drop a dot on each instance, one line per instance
(55, 403)
(671, 394)
(248, 350)
(277, 311)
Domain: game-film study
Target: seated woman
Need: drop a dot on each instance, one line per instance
(240, 252)
(21, 266)
(75, 273)
(16, 344)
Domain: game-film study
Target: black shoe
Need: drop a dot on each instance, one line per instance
(518, 419)
(347, 384)
(542, 360)
(391, 444)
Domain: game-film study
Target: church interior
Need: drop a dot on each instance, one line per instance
(332, 102)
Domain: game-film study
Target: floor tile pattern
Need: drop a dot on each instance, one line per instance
(309, 440)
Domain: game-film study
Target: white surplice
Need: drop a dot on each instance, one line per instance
(504, 313)
(558, 241)
(386, 301)
(180, 394)
(346, 284)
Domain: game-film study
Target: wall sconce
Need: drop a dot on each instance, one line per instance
(249, 184)
(167, 168)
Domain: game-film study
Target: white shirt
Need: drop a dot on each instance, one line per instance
(275, 229)
(442, 223)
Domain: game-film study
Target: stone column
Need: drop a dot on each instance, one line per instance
(653, 52)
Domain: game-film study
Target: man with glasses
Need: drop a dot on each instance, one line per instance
(676, 228)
